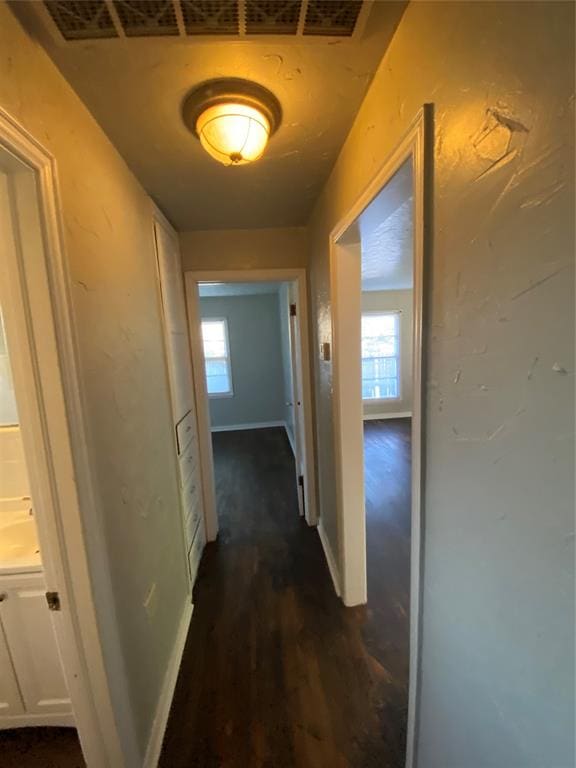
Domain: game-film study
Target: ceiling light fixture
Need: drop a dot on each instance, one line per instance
(233, 119)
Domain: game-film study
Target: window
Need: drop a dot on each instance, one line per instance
(380, 356)
(217, 357)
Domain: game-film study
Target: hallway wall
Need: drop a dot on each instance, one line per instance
(255, 359)
(107, 227)
(244, 248)
(497, 661)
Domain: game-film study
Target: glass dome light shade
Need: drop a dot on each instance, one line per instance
(233, 133)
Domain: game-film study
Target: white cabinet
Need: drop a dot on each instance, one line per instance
(10, 699)
(195, 553)
(33, 689)
(180, 376)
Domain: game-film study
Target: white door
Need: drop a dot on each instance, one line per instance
(10, 699)
(298, 412)
(30, 637)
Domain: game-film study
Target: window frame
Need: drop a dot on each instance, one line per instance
(398, 315)
(224, 321)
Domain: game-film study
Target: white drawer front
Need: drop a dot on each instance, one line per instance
(188, 462)
(195, 553)
(192, 507)
(185, 432)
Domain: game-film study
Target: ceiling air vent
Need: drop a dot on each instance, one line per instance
(272, 17)
(334, 18)
(82, 19)
(211, 17)
(147, 18)
(93, 19)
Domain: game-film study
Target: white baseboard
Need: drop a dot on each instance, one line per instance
(29, 721)
(290, 439)
(378, 416)
(332, 567)
(252, 425)
(167, 693)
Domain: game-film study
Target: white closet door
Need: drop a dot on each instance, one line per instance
(175, 323)
(30, 636)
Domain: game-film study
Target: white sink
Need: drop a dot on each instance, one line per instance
(19, 551)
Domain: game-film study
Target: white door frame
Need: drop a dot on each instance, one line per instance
(347, 404)
(298, 423)
(43, 350)
(298, 276)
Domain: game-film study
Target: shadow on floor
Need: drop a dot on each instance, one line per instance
(40, 748)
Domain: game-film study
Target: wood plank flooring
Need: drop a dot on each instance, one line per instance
(40, 748)
(276, 672)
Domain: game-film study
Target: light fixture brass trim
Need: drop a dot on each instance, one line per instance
(231, 89)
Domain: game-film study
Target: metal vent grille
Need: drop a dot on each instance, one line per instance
(211, 17)
(272, 17)
(82, 19)
(93, 19)
(332, 17)
(147, 18)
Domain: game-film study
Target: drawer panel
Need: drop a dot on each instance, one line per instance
(188, 462)
(192, 494)
(191, 521)
(191, 507)
(185, 432)
(195, 553)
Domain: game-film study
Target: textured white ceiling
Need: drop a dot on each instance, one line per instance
(237, 289)
(135, 88)
(386, 236)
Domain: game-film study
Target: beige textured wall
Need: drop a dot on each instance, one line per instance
(498, 604)
(108, 239)
(244, 249)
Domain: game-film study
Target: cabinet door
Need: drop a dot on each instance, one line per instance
(10, 699)
(32, 643)
(175, 324)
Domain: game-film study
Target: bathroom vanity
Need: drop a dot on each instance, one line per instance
(33, 689)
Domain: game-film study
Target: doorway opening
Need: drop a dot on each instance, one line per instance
(33, 688)
(248, 336)
(52, 669)
(377, 265)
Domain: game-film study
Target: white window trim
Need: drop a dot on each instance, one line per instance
(230, 392)
(382, 400)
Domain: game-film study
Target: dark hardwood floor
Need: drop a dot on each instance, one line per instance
(276, 672)
(40, 748)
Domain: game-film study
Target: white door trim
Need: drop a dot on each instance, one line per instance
(39, 324)
(349, 460)
(298, 276)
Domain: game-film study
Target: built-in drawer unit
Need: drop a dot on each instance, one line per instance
(188, 462)
(185, 432)
(195, 552)
(192, 503)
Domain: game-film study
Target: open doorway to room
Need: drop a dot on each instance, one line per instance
(377, 278)
(54, 698)
(254, 397)
(247, 341)
(386, 253)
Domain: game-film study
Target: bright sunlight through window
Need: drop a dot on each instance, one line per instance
(380, 356)
(217, 357)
